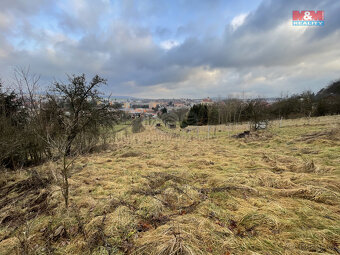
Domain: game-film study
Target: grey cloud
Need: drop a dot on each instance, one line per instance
(23, 6)
(163, 32)
(265, 55)
(82, 16)
(259, 42)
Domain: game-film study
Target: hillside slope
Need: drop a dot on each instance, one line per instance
(332, 89)
(157, 192)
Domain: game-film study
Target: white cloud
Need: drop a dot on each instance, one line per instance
(238, 21)
(169, 44)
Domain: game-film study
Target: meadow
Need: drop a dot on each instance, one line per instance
(165, 191)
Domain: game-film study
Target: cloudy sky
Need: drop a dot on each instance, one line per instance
(173, 49)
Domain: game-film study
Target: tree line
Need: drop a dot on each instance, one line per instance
(233, 110)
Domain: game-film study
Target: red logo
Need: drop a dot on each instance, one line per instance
(308, 15)
(308, 18)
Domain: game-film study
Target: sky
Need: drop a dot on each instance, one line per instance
(173, 49)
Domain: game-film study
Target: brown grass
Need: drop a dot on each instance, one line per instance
(274, 192)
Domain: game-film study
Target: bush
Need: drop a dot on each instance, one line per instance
(137, 125)
(184, 124)
(69, 119)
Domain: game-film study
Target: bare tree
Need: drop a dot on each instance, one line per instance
(74, 111)
(79, 100)
(60, 147)
(27, 84)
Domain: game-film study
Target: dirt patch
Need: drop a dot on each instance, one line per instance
(130, 154)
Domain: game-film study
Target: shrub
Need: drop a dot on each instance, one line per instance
(137, 125)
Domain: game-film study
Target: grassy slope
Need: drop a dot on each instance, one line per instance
(275, 192)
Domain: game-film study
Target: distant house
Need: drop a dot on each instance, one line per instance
(180, 105)
(207, 101)
(126, 105)
(153, 105)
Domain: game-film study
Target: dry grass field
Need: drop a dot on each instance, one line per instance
(175, 192)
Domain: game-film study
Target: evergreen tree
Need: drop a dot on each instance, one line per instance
(164, 110)
(202, 115)
(213, 115)
(192, 118)
(184, 124)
